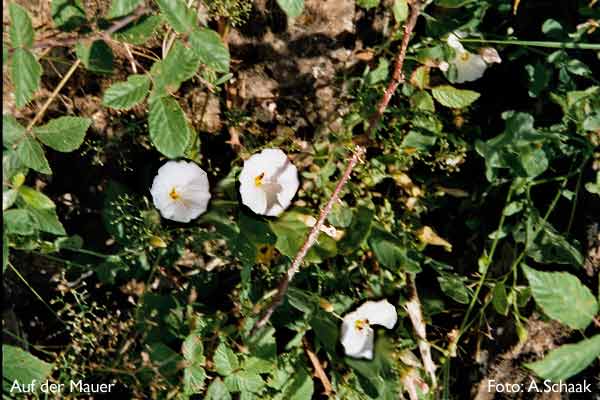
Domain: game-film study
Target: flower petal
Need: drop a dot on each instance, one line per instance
(357, 343)
(378, 313)
(253, 197)
(189, 182)
(454, 42)
(469, 68)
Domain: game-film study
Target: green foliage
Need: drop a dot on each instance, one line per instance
(96, 56)
(19, 365)
(293, 8)
(169, 129)
(68, 15)
(124, 95)
(569, 359)
(21, 31)
(119, 8)
(210, 49)
(562, 297)
(176, 13)
(63, 134)
(26, 73)
(452, 97)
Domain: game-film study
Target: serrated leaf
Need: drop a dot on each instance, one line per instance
(119, 8)
(31, 154)
(210, 48)
(169, 130)
(193, 349)
(217, 391)
(139, 31)
(96, 57)
(124, 95)
(47, 221)
(225, 360)
(178, 15)
(292, 8)
(21, 30)
(19, 365)
(451, 97)
(25, 73)
(68, 15)
(562, 363)
(12, 131)
(19, 222)
(180, 65)
(562, 297)
(301, 386)
(35, 199)
(244, 381)
(193, 379)
(64, 133)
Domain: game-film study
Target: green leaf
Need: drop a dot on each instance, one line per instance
(225, 360)
(550, 247)
(562, 297)
(390, 252)
(47, 221)
(139, 31)
(25, 72)
(539, 77)
(64, 133)
(301, 386)
(292, 8)
(21, 30)
(19, 365)
(422, 100)
(454, 286)
(19, 222)
(210, 48)
(400, 10)
(169, 130)
(568, 360)
(367, 4)
(12, 131)
(31, 154)
(8, 198)
(96, 57)
(358, 232)
(418, 141)
(379, 74)
(244, 381)
(500, 299)
(124, 95)
(193, 379)
(35, 199)
(119, 8)
(68, 15)
(217, 391)
(180, 65)
(193, 349)
(326, 330)
(291, 232)
(452, 97)
(176, 13)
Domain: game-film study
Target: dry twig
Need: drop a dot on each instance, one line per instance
(397, 78)
(319, 371)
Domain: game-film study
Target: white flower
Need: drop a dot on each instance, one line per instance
(490, 55)
(357, 334)
(469, 66)
(268, 182)
(180, 191)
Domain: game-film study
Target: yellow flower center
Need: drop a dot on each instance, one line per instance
(174, 195)
(359, 324)
(465, 56)
(258, 179)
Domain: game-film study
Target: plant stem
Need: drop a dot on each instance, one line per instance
(534, 43)
(397, 78)
(50, 99)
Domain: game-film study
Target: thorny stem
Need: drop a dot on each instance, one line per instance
(397, 78)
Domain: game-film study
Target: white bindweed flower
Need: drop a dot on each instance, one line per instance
(469, 66)
(357, 334)
(180, 191)
(268, 182)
